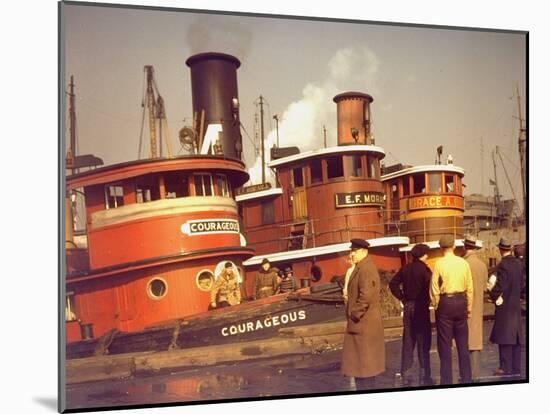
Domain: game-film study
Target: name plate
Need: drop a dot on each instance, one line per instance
(359, 199)
(440, 201)
(213, 226)
(267, 322)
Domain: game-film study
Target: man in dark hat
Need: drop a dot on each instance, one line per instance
(363, 356)
(266, 281)
(507, 331)
(451, 294)
(226, 290)
(411, 286)
(475, 323)
(287, 283)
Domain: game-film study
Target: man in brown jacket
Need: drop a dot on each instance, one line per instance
(475, 323)
(266, 281)
(363, 356)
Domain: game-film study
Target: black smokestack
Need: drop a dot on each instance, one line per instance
(214, 89)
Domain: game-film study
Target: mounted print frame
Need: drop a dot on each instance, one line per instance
(268, 207)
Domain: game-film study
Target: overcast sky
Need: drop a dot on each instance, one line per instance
(431, 87)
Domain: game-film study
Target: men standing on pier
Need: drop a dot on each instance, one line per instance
(363, 356)
(451, 294)
(266, 281)
(411, 286)
(475, 323)
(507, 330)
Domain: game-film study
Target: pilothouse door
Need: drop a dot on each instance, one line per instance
(299, 201)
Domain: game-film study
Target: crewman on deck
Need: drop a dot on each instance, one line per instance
(266, 281)
(288, 282)
(226, 290)
(451, 294)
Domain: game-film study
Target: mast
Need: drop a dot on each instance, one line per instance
(71, 153)
(522, 143)
(495, 182)
(262, 136)
(276, 118)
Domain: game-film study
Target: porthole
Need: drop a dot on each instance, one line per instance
(205, 280)
(157, 288)
(316, 273)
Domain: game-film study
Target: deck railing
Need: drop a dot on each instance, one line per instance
(308, 233)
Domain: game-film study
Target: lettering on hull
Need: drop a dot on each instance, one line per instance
(264, 323)
(212, 226)
(429, 202)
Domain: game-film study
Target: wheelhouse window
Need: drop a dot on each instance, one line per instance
(297, 177)
(371, 167)
(268, 212)
(435, 182)
(419, 184)
(203, 185)
(223, 186)
(316, 171)
(406, 186)
(449, 184)
(176, 185)
(114, 196)
(335, 167)
(354, 167)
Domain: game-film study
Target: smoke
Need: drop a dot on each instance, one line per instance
(215, 34)
(302, 122)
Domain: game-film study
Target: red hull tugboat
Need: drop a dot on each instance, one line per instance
(323, 199)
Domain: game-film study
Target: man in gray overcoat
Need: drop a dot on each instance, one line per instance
(475, 323)
(363, 356)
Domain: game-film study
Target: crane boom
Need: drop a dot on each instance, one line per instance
(151, 107)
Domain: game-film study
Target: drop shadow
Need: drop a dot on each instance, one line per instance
(48, 402)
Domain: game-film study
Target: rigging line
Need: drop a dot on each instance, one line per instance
(509, 160)
(248, 136)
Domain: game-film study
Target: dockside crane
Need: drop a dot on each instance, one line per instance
(153, 103)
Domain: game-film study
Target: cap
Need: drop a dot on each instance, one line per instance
(446, 241)
(359, 244)
(420, 250)
(288, 270)
(228, 264)
(265, 260)
(505, 244)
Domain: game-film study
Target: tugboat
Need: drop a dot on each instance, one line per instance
(323, 198)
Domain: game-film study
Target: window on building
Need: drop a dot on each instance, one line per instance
(406, 186)
(435, 182)
(371, 166)
(222, 185)
(316, 171)
(176, 185)
(268, 212)
(449, 183)
(70, 309)
(203, 185)
(298, 177)
(419, 183)
(114, 196)
(354, 167)
(335, 167)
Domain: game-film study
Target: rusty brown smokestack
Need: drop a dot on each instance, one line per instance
(353, 116)
(214, 90)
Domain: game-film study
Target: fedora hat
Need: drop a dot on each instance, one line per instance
(470, 241)
(505, 244)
